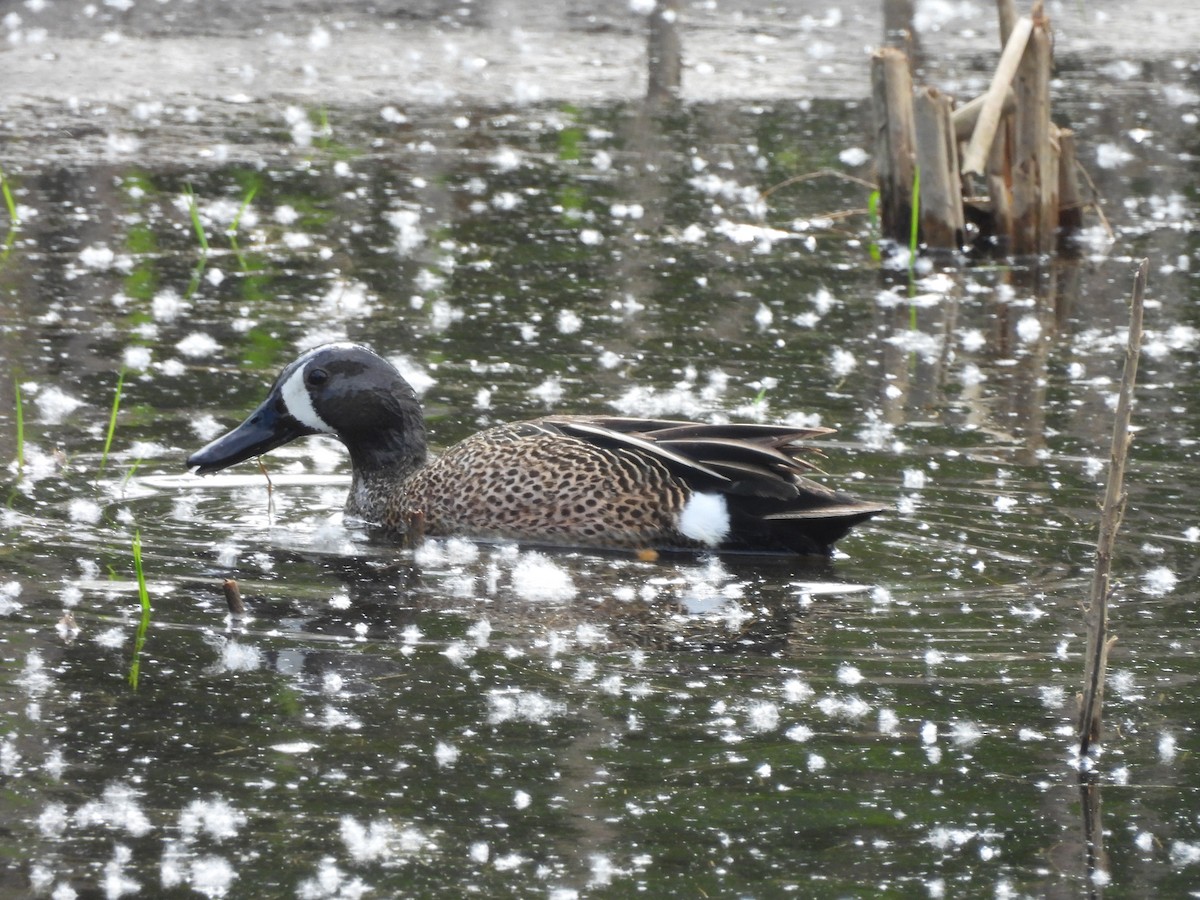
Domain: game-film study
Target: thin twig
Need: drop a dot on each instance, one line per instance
(1099, 642)
(820, 173)
(840, 214)
(262, 467)
(1095, 204)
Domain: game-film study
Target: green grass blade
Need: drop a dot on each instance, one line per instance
(20, 425)
(194, 212)
(915, 225)
(112, 422)
(9, 202)
(873, 213)
(14, 220)
(249, 198)
(914, 228)
(324, 135)
(233, 227)
(135, 665)
(143, 593)
(137, 463)
(194, 280)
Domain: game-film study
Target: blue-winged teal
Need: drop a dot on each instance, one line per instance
(601, 481)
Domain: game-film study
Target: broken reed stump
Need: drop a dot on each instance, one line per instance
(664, 53)
(1035, 152)
(1012, 150)
(940, 199)
(1007, 10)
(233, 597)
(1070, 200)
(996, 218)
(1096, 611)
(895, 139)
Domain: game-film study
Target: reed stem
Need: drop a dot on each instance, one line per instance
(135, 665)
(20, 425)
(1096, 612)
(112, 421)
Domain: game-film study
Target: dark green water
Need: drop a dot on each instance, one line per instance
(480, 719)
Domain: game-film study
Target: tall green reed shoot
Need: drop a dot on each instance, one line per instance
(112, 422)
(914, 225)
(135, 665)
(201, 237)
(14, 219)
(194, 213)
(20, 425)
(233, 227)
(873, 214)
(137, 463)
(914, 229)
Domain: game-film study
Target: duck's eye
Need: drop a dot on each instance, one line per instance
(316, 377)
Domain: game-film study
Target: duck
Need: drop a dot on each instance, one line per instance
(600, 481)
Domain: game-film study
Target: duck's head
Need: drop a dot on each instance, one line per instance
(342, 389)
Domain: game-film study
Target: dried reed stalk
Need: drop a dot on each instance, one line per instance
(975, 157)
(1096, 612)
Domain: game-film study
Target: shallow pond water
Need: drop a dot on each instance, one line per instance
(503, 721)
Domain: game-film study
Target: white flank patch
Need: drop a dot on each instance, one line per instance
(705, 518)
(299, 404)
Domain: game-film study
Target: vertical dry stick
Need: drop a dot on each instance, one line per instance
(1096, 613)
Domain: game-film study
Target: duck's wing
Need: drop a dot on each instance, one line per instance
(760, 470)
(677, 429)
(724, 486)
(745, 458)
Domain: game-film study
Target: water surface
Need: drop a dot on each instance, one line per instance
(510, 721)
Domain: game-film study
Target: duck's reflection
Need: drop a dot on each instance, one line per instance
(685, 602)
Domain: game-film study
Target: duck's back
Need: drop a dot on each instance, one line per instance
(628, 483)
(527, 481)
